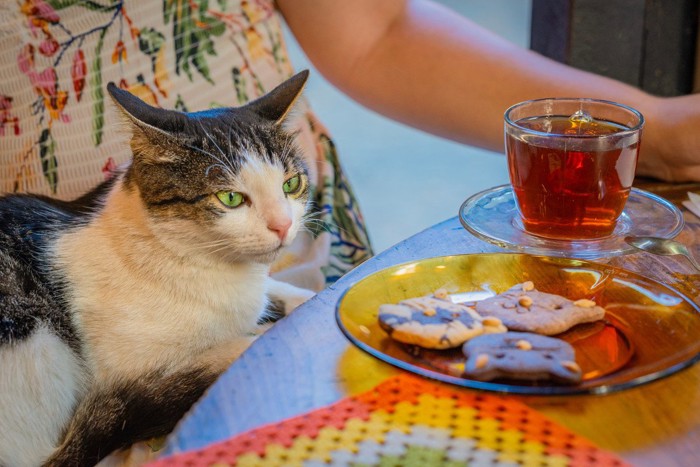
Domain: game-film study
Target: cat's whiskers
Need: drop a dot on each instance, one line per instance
(210, 243)
(225, 156)
(229, 139)
(286, 149)
(325, 225)
(225, 167)
(229, 256)
(216, 145)
(289, 153)
(212, 246)
(317, 222)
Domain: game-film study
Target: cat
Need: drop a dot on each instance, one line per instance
(118, 309)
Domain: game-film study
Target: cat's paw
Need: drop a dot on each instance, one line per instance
(286, 297)
(295, 300)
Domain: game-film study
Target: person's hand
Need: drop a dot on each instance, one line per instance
(671, 139)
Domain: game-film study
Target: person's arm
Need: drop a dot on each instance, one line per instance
(424, 65)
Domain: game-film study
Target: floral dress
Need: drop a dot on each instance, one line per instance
(59, 133)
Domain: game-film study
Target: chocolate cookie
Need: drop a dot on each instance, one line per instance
(522, 356)
(434, 323)
(523, 308)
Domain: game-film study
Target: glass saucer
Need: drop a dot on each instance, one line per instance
(492, 215)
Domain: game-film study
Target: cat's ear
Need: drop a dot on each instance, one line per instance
(276, 104)
(144, 116)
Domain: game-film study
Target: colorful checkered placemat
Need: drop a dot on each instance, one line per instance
(407, 421)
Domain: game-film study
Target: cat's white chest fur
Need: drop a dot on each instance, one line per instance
(140, 306)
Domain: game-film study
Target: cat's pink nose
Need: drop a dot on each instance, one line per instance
(280, 227)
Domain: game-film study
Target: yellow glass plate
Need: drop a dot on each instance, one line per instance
(649, 331)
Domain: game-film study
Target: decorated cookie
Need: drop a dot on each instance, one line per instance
(521, 356)
(434, 323)
(523, 308)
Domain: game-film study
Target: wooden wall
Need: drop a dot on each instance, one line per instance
(651, 44)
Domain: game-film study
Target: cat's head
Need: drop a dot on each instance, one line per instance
(228, 182)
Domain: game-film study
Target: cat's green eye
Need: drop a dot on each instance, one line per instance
(231, 199)
(292, 185)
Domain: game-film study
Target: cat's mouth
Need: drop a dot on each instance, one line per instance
(266, 258)
(278, 249)
(282, 244)
(269, 255)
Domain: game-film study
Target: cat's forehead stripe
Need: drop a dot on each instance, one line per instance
(178, 200)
